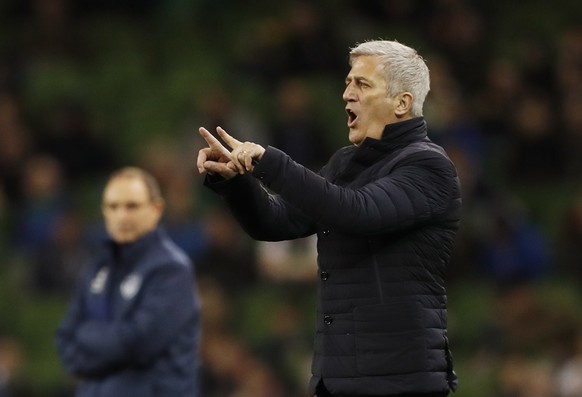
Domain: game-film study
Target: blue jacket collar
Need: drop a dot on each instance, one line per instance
(129, 253)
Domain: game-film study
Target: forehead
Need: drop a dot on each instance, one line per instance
(367, 66)
(126, 189)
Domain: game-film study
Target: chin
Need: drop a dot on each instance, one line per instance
(352, 136)
(123, 239)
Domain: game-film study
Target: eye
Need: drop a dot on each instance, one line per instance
(358, 82)
(132, 206)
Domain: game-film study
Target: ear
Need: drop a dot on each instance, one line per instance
(403, 104)
(159, 205)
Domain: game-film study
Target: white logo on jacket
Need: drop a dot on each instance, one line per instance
(130, 286)
(98, 282)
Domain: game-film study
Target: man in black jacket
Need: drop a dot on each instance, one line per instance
(385, 210)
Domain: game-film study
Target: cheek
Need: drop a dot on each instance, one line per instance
(111, 220)
(382, 111)
(149, 221)
(381, 102)
(377, 102)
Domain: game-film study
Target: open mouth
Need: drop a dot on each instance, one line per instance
(352, 117)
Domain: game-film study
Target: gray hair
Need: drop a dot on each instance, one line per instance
(405, 70)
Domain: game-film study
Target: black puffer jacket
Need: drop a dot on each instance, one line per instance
(386, 214)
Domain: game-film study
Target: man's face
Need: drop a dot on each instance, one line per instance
(368, 106)
(128, 210)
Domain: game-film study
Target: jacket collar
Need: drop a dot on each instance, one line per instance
(129, 253)
(403, 132)
(394, 135)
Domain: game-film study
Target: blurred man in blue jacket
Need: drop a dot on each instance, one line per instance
(132, 328)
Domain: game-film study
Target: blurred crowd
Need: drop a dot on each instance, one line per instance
(88, 86)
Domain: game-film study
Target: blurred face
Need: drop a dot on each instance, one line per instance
(368, 106)
(128, 210)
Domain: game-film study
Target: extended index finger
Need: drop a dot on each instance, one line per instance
(229, 140)
(213, 143)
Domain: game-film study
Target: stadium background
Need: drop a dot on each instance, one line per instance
(87, 86)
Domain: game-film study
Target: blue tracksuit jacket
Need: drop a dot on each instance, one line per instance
(132, 327)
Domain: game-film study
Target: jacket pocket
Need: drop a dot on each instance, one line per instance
(390, 338)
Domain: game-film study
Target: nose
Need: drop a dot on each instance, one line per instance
(349, 94)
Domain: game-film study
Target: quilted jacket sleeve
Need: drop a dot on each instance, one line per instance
(421, 187)
(418, 189)
(263, 215)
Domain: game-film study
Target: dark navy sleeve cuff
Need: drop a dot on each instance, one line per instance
(270, 165)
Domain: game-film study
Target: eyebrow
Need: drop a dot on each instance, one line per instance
(124, 203)
(357, 79)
